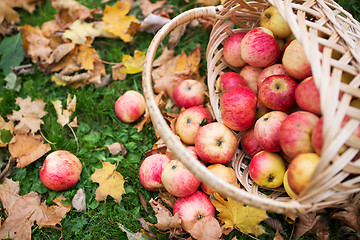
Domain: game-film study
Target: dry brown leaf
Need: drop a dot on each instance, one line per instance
(116, 148)
(166, 55)
(117, 72)
(69, 10)
(168, 82)
(29, 209)
(167, 198)
(148, 7)
(152, 23)
(206, 230)
(306, 223)
(349, 216)
(29, 116)
(165, 219)
(60, 51)
(9, 193)
(27, 149)
(110, 182)
(65, 114)
(79, 200)
(176, 34)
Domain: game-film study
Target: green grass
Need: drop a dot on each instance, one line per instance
(98, 127)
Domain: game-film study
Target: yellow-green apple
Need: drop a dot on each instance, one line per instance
(60, 170)
(194, 208)
(300, 171)
(229, 80)
(272, 19)
(221, 171)
(259, 47)
(261, 109)
(275, 69)
(295, 133)
(231, 51)
(287, 188)
(267, 129)
(238, 108)
(249, 143)
(178, 180)
(277, 92)
(215, 143)
(189, 122)
(130, 106)
(250, 75)
(307, 96)
(295, 61)
(267, 169)
(189, 93)
(151, 169)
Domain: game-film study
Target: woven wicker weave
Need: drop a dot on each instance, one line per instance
(315, 23)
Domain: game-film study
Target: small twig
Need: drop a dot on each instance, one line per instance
(46, 138)
(77, 143)
(7, 170)
(23, 69)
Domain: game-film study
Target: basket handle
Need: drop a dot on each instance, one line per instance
(162, 128)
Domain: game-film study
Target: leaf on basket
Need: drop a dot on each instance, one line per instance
(235, 214)
(206, 230)
(29, 116)
(165, 219)
(110, 182)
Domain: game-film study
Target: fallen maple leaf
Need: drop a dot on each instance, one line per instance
(27, 149)
(116, 148)
(306, 223)
(110, 182)
(349, 216)
(65, 114)
(148, 7)
(24, 211)
(235, 214)
(119, 23)
(206, 230)
(69, 10)
(29, 116)
(165, 219)
(133, 64)
(117, 71)
(6, 131)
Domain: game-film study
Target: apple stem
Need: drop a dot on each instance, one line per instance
(199, 216)
(219, 142)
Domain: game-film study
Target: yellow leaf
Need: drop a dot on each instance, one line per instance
(110, 182)
(191, 62)
(118, 23)
(234, 214)
(9, 126)
(65, 114)
(133, 64)
(79, 30)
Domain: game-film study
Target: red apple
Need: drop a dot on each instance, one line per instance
(231, 51)
(251, 75)
(178, 180)
(295, 133)
(275, 69)
(130, 106)
(307, 96)
(267, 128)
(238, 108)
(249, 143)
(267, 169)
(221, 171)
(151, 169)
(277, 92)
(189, 121)
(229, 80)
(300, 171)
(60, 171)
(259, 47)
(196, 207)
(295, 61)
(189, 93)
(215, 143)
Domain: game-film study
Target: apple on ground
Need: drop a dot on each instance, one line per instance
(272, 19)
(196, 207)
(295, 61)
(251, 74)
(231, 51)
(130, 106)
(267, 130)
(300, 171)
(178, 180)
(151, 169)
(307, 96)
(277, 92)
(275, 69)
(259, 47)
(215, 143)
(287, 188)
(189, 121)
(221, 171)
(60, 170)
(238, 108)
(295, 133)
(267, 169)
(189, 93)
(249, 143)
(229, 80)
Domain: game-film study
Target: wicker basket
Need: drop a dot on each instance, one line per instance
(336, 181)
